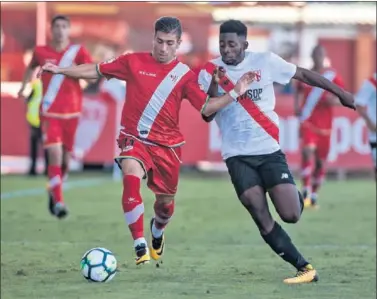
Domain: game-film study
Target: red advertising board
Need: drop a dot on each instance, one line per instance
(98, 126)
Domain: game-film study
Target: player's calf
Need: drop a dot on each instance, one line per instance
(164, 209)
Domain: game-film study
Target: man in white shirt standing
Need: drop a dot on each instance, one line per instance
(366, 106)
(250, 137)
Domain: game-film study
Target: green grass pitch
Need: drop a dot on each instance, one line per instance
(213, 248)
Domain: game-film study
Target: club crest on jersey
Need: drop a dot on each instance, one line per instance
(258, 75)
(173, 77)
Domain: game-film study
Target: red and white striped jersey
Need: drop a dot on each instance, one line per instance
(366, 97)
(315, 109)
(250, 126)
(154, 95)
(62, 96)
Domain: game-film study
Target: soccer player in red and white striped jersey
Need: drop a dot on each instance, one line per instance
(250, 137)
(61, 105)
(150, 140)
(315, 113)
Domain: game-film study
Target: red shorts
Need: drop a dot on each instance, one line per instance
(59, 131)
(161, 164)
(321, 141)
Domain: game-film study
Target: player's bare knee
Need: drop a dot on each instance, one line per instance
(164, 199)
(307, 153)
(132, 167)
(318, 163)
(55, 155)
(287, 202)
(164, 206)
(291, 217)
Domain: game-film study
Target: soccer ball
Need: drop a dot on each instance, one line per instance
(98, 265)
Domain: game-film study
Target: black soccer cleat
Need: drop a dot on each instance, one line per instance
(60, 210)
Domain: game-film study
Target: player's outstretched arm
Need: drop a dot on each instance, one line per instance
(27, 77)
(214, 104)
(82, 71)
(297, 100)
(315, 79)
(362, 101)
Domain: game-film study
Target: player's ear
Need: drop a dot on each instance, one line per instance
(245, 45)
(179, 41)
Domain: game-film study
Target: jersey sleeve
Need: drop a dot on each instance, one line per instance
(84, 56)
(204, 80)
(118, 68)
(194, 93)
(364, 94)
(281, 71)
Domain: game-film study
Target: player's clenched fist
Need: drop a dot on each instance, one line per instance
(244, 82)
(48, 67)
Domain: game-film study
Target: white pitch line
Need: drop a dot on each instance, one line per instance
(41, 191)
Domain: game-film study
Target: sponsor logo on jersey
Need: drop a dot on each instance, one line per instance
(254, 94)
(173, 77)
(147, 74)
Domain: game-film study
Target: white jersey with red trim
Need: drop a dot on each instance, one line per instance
(250, 126)
(366, 97)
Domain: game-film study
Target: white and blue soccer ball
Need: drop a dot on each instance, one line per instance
(98, 265)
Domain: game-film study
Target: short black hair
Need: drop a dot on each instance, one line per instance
(318, 47)
(168, 25)
(234, 26)
(60, 17)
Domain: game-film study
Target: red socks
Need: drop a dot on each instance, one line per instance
(133, 206)
(55, 182)
(133, 209)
